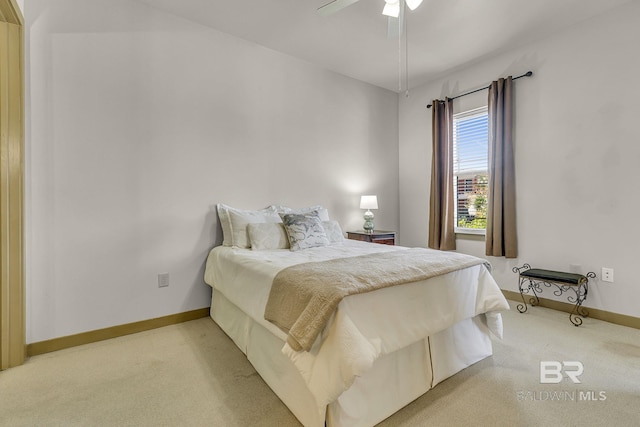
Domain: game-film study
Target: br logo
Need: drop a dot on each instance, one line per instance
(551, 371)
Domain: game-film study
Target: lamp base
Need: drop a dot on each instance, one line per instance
(368, 222)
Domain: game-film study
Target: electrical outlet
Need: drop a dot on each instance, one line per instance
(607, 274)
(163, 280)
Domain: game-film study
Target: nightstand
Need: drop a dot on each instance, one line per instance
(378, 236)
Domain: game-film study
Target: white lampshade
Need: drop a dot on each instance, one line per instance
(368, 202)
(413, 4)
(391, 8)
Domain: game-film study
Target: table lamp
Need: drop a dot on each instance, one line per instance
(368, 203)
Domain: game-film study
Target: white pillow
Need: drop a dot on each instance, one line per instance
(234, 223)
(224, 223)
(323, 213)
(267, 236)
(304, 231)
(333, 230)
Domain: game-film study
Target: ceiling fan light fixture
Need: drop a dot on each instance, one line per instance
(413, 4)
(391, 8)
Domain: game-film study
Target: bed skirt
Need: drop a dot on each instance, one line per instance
(394, 381)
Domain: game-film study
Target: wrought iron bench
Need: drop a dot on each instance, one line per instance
(531, 279)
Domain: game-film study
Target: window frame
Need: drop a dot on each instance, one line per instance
(467, 114)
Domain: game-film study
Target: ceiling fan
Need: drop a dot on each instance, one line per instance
(392, 8)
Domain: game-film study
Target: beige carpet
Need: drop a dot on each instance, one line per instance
(193, 375)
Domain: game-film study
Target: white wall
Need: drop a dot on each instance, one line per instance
(141, 121)
(577, 152)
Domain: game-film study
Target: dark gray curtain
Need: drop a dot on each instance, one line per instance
(501, 239)
(441, 208)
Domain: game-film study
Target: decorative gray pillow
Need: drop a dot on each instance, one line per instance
(323, 213)
(304, 231)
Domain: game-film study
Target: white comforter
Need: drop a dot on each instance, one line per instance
(366, 326)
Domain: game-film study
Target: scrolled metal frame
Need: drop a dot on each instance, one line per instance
(533, 287)
(581, 289)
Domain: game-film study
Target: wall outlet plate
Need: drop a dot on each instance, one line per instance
(163, 280)
(607, 274)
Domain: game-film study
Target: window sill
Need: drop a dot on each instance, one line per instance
(471, 231)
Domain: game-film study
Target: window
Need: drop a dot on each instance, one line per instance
(470, 169)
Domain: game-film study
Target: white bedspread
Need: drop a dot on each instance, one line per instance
(365, 326)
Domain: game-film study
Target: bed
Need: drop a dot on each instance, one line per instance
(378, 350)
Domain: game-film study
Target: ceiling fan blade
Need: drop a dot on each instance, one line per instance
(334, 6)
(413, 4)
(391, 8)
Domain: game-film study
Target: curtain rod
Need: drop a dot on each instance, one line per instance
(527, 74)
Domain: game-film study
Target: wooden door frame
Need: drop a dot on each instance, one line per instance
(12, 259)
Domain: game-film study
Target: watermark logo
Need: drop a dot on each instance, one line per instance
(562, 396)
(554, 372)
(551, 371)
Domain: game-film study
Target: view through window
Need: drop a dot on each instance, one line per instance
(470, 168)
